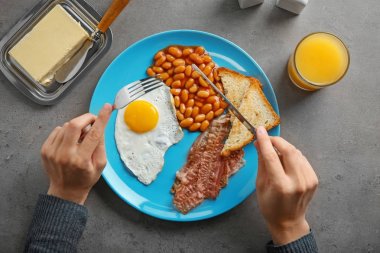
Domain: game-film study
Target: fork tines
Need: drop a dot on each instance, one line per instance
(143, 87)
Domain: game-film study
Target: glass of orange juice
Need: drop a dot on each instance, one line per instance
(320, 59)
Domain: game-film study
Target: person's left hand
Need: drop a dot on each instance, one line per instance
(72, 164)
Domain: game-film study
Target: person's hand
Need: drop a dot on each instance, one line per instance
(285, 185)
(74, 163)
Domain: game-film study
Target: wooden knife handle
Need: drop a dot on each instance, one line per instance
(111, 14)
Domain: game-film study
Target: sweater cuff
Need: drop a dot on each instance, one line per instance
(57, 224)
(305, 244)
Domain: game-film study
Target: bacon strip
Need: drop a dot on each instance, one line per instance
(206, 171)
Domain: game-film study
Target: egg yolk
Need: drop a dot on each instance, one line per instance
(141, 116)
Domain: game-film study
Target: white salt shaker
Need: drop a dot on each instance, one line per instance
(295, 6)
(248, 3)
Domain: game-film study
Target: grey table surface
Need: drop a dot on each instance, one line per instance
(336, 128)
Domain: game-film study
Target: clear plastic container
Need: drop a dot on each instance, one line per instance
(48, 95)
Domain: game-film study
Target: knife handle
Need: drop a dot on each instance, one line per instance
(111, 14)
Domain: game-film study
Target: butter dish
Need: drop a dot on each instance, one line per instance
(30, 65)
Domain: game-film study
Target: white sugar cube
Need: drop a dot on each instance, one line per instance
(295, 6)
(249, 3)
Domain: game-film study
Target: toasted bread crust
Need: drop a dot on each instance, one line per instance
(223, 71)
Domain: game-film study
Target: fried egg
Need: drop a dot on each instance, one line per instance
(144, 130)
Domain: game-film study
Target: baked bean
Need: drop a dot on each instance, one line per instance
(179, 115)
(196, 98)
(195, 74)
(177, 84)
(188, 112)
(212, 92)
(211, 77)
(198, 103)
(175, 92)
(194, 127)
(206, 108)
(160, 61)
(219, 86)
(212, 99)
(207, 59)
(223, 104)
(179, 62)
(218, 112)
(211, 65)
(158, 69)
(186, 122)
(202, 66)
(189, 83)
(179, 69)
(150, 72)
(193, 88)
(177, 101)
(204, 125)
(200, 118)
(184, 95)
(200, 50)
(164, 76)
(196, 58)
(170, 57)
(188, 70)
(183, 81)
(216, 74)
(169, 81)
(210, 115)
(182, 108)
(195, 111)
(171, 71)
(187, 51)
(188, 61)
(166, 65)
(175, 51)
(216, 105)
(190, 102)
(202, 82)
(207, 70)
(203, 93)
(158, 55)
(179, 76)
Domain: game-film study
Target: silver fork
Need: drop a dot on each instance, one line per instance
(135, 90)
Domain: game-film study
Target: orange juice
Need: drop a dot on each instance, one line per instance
(320, 59)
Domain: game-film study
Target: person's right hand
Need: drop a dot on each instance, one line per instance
(285, 185)
(73, 162)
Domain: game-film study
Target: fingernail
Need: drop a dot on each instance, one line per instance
(261, 130)
(107, 106)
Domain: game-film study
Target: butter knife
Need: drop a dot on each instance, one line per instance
(72, 66)
(231, 107)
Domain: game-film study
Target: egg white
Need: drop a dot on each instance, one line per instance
(143, 154)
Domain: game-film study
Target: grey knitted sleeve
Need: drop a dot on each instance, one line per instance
(57, 225)
(305, 244)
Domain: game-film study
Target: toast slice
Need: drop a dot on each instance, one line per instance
(253, 105)
(234, 84)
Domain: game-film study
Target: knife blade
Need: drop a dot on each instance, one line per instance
(72, 66)
(231, 107)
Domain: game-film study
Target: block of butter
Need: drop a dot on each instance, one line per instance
(49, 45)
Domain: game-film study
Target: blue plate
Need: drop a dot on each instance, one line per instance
(156, 199)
